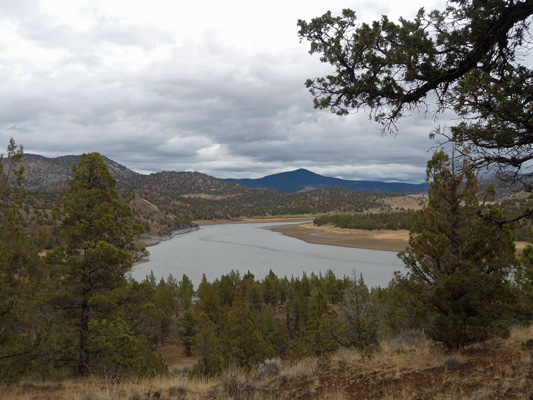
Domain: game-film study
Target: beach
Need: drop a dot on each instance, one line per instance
(387, 240)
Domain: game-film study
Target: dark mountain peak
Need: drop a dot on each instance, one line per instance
(300, 171)
(302, 180)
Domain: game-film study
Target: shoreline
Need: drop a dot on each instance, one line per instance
(154, 239)
(253, 220)
(385, 240)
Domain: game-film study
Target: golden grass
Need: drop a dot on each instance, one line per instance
(402, 368)
(301, 369)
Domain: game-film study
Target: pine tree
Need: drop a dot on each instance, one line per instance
(185, 291)
(208, 301)
(460, 262)
(360, 314)
(242, 343)
(98, 249)
(208, 347)
(21, 329)
(323, 332)
(273, 332)
(187, 326)
(166, 304)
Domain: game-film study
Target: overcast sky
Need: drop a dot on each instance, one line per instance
(209, 86)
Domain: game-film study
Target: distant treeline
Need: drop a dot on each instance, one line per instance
(406, 219)
(369, 221)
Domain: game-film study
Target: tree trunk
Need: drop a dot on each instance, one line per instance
(83, 362)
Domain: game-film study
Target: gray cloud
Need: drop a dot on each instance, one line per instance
(153, 100)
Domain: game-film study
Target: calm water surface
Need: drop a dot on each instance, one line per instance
(215, 250)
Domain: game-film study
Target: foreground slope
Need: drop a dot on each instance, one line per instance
(407, 367)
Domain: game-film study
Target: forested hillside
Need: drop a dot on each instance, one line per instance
(455, 323)
(165, 201)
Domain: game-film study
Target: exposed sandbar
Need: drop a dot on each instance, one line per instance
(387, 240)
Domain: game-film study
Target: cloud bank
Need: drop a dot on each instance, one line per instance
(215, 87)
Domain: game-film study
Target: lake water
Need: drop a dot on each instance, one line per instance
(214, 250)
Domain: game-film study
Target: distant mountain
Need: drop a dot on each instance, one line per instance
(43, 173)
(165, 201)
(303, 180)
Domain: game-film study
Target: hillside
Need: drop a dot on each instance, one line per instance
(191, 184)
(44, 174)
(165, 201)
(407, 367)
(303, 180)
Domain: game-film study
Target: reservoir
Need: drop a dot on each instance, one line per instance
(215, 250)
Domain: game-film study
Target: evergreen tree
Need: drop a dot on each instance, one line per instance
(226, 290)
(360, 314)
(271, 292)
(185, 291)
(208, 301)
(460, 262)
(332, 287)
(187, 326)
(208, 347)
(241, 342)
(467, 58)
(323, 332)
(273, 332)
(166, 304)
(524, 283)
(98, 251)
(21, 329)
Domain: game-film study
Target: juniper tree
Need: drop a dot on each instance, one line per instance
(524, 284)
(470, 57)
(208, 346)
(242, 343)
(459, 263)
(322, 333)
(185, 291)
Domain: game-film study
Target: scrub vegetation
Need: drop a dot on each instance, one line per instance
(457, 324)
(74, 312)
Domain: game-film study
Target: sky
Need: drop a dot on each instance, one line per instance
(209, 86)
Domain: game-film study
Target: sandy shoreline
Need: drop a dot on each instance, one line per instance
(386, 240)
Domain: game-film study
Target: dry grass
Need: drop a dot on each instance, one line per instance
(408, 367)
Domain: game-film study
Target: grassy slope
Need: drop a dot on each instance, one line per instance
(411, 368)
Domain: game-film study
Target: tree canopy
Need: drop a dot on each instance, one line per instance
(99, 249)
(22, 329)
(460, 263)
(469, 57)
